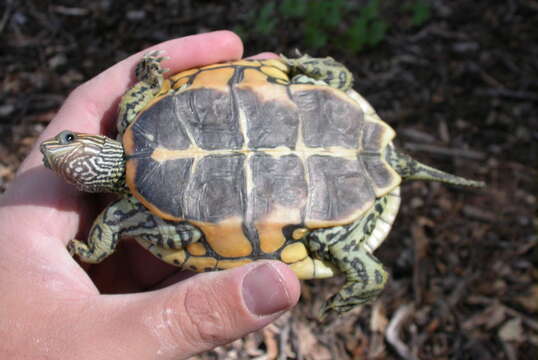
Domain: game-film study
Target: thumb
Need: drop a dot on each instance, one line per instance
(199, 313)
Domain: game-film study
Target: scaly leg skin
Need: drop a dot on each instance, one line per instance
(128, 218)
(175, 257)
(365, 279)
(149, 74)
(348, 247)
(326, 69)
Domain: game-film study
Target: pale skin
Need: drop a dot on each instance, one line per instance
(51, 307)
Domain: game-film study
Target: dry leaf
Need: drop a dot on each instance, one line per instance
(378, 320)
(512, 330)
(529, 301)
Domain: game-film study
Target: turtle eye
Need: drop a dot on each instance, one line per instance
(66, 137)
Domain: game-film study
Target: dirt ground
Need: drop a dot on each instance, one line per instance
(461, 91)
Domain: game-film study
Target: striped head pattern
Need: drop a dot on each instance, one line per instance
(93, 163)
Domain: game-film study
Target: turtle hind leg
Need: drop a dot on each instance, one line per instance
(328, 70)
(365, 279)
(350, 247)
(149, 73)
(365, 275)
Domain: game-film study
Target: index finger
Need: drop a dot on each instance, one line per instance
(91, 107)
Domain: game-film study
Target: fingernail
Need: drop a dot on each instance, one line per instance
(264, 291)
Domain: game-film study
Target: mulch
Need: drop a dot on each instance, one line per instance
(461, 91)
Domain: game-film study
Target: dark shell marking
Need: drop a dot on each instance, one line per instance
(261, 152)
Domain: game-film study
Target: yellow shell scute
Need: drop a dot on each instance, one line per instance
(200, 264)
(185, 73)
(165, 88)
(270, 227)
(196, 249)
(228, 264)
(246, 63)
(171, 256)
(180, 82)
(277, 63)
(226, 238)
(274, 73)
(299, 233)
(293, 253)
(217, 79)
(282, 81)
(253, 76)
(309, 268)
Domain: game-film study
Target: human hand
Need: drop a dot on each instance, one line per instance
(50, 307)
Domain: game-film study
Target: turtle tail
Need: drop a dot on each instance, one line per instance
(411, 169)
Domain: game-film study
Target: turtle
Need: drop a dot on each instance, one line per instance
(225, 164)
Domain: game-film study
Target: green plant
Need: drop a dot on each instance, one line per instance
(420, 12)
(318, 17)
(368, 29)
(350, 26)
(266, 20)
(293, 8)
(321, 18)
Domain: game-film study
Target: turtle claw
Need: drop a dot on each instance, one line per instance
(150, 70)
(71, 248)
(154, 53)
(157, 56)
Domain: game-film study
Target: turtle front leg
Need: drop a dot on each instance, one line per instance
(104, 234)
(309, 70)
(128, 218)
(149, 73)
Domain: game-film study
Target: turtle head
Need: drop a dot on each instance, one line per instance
(93, 163)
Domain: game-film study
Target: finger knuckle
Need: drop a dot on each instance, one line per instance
(205, 320)
(80, 96)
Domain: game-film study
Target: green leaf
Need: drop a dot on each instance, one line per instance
(421, 12)
(377, 32)
(267, 10)
(315, 13)
(332, 13)
(240, 31)
(370, 11)
(293, 8)
(315, 38)
(356, 34)
(267, 20)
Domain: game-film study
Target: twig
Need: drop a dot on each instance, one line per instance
(479, 214)
(7, 13)
(484, 300)
(508, 93)
(530, 323)
(269, 334)
(439, 150)
(284, 340)
(393, 331)
(417, 135)
(70, 11)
